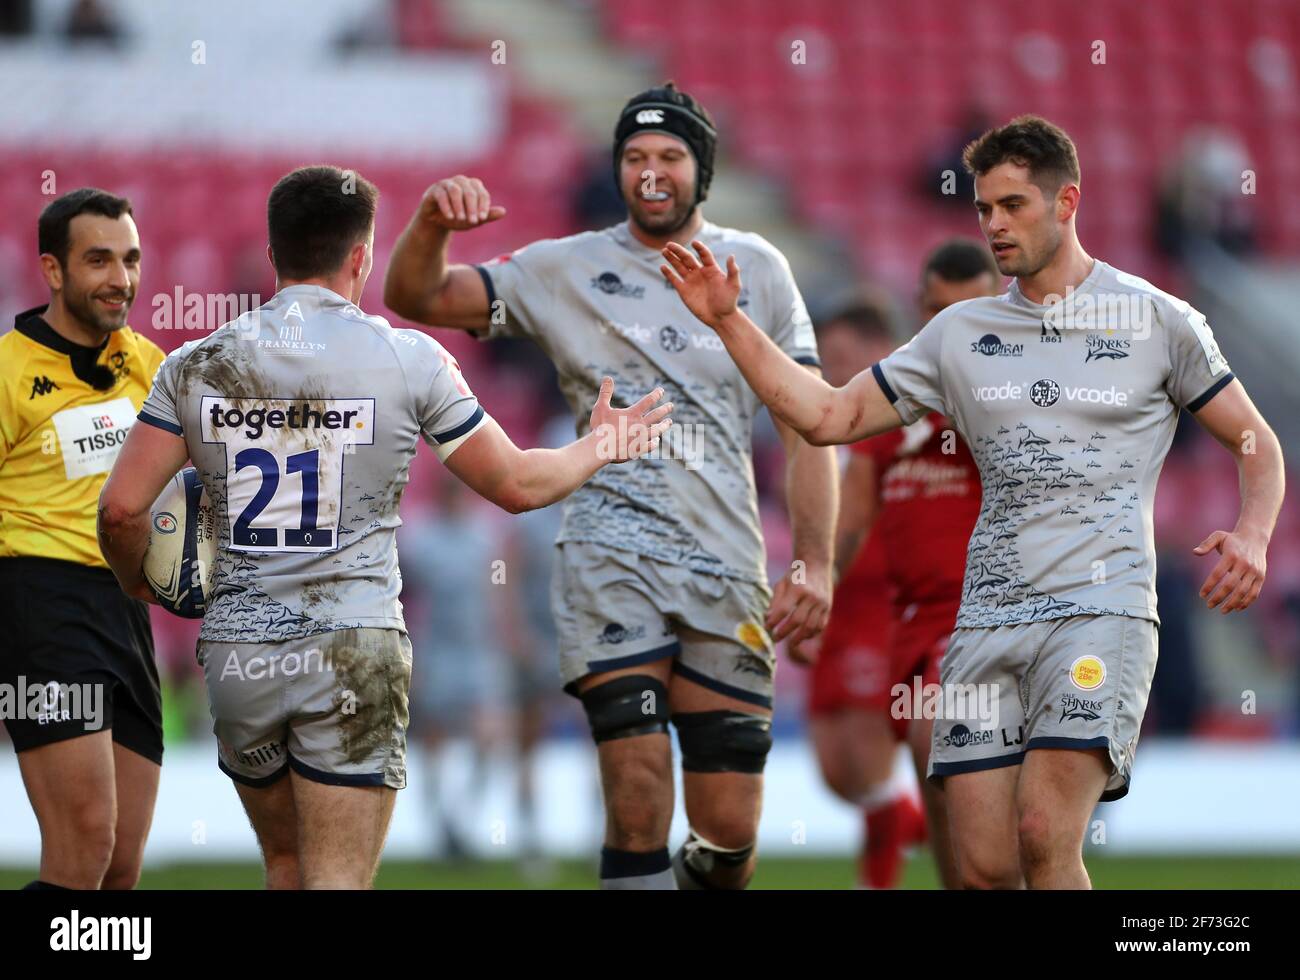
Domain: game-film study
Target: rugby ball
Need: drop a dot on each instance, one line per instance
(182, 546)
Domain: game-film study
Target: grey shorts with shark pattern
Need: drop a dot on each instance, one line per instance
(1078, 682)
(616, 609)
(334, 707)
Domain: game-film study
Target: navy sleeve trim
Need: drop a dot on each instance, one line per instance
(1199, 403)
(808, 361)
(461, 429)
(487, 283)
(884, 385)
(154, 420)
(1064, 742)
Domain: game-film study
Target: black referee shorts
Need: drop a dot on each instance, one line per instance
(62, 623)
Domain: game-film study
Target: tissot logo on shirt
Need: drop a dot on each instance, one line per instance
(610, 284)
(990, 345)
(90, 435)
(1106, 348)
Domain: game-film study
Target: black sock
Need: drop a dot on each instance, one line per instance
(636, 869)
(43, 886)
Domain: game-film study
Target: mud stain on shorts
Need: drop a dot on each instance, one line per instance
(373, 682)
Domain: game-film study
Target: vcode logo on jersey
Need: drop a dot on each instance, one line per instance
(1045, 393)
(302, 415)
(990, 345)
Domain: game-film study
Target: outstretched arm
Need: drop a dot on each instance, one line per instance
(822, 414)
(1232, 418)
(516, 480)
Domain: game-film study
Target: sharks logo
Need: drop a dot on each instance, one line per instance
(989, 578)
(1079, 709)
(1106, 348)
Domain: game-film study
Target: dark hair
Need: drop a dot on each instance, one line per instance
(1027, 141)
(52, 228)
(314, 217)
(960, 259)
(867, 315)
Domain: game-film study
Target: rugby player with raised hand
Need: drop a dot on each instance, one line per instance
(73, 375)
(661, 596)
(302, 418)
(1066, 389)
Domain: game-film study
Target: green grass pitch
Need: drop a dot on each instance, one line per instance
(1176, 872)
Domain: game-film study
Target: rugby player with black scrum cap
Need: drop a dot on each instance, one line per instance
(661, 596)
(1067, 389)
(73, 375)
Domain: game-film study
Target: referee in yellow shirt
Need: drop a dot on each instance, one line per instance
(76, 655)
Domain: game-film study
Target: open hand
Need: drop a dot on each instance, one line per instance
(628, 433)
(708, 291)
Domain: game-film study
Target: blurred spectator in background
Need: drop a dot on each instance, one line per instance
(15, 18)
(534, 654)
(90, 20)
(933, 179)
(596, 201)
(459, 677)
(1201, 196)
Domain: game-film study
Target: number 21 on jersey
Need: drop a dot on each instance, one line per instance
(285, 463)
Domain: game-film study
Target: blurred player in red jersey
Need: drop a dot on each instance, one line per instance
(848, 700)
(912, 495)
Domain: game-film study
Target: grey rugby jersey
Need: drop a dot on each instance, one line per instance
(1069, 411)
(302, 417)
(598, 305)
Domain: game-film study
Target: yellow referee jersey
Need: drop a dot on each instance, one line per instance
(59, 433)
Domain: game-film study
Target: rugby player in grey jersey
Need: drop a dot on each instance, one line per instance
(1067, 389)
(660, 596)
(302, 418)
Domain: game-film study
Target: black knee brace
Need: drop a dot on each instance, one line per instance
(723, 741)
(633, 705)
